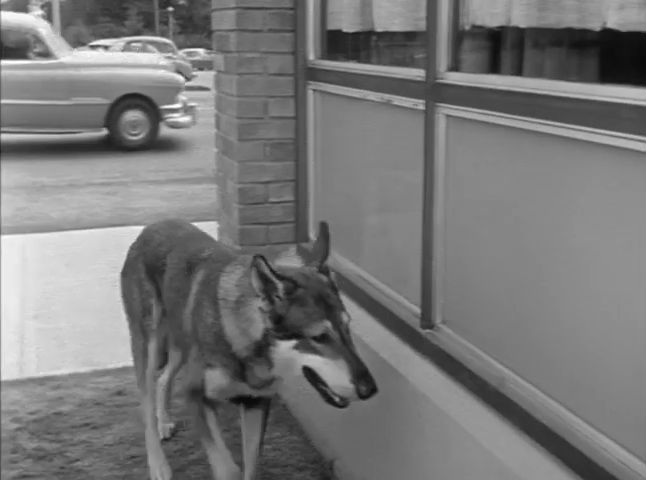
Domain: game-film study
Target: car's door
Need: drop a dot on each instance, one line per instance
(34, 88)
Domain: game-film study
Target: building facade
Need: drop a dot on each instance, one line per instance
(483, 169)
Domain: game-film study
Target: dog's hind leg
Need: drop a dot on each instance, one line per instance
(157, 462)
(217, 452)
(175, 360)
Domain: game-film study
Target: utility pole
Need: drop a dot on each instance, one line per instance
(56, 15)
(156, 11)
(170, 11)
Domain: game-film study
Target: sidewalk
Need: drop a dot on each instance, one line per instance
(203, 82)
(61, 306)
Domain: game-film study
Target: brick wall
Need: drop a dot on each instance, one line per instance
(255, 126)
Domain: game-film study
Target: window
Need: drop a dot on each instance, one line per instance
(164, 47)
(23, 45)
(379, 32)
(139, 47)
(579, 40)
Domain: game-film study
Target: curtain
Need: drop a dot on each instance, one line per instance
(625, 15)
(376, 15)
(556, 39)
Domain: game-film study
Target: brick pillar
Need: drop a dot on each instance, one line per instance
(254, 123)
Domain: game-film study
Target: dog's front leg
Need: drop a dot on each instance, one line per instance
(253, 421)
(217, 452)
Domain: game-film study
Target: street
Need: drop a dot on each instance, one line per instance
(71, 206)
(70, 182)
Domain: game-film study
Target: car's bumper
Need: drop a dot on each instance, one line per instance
(182, 114)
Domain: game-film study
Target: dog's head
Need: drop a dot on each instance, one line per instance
(311, 325)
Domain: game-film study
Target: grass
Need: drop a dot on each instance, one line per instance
(87, 427)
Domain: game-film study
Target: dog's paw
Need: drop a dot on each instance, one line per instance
(165, 430)
(160, 470)
(232, 474)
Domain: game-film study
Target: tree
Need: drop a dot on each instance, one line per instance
(77, 34)
(133, 24)
(16, 6)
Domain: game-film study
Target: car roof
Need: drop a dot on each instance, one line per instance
(106, 41)
(18, 19)
(148, 37)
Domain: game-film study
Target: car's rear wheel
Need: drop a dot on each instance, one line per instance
(133, 124)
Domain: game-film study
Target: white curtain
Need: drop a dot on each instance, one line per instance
(625, 15)
(377, 15)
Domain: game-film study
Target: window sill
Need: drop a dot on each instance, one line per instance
(587, 91)
(381, 70)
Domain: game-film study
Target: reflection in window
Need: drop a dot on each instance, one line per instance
(379, 32)
(579, 40)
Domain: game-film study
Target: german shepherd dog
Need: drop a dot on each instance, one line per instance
(238, 324)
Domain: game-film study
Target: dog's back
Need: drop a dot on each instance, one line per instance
(158, 271)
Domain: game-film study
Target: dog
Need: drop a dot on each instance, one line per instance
(239, 325)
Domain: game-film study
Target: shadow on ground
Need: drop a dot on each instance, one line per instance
(54, 146)
(87, 426)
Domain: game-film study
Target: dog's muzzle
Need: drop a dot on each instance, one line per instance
(328, 395)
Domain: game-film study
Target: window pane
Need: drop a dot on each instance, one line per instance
(379, 32)
(368, 171)
(544, 266)
(579, 40)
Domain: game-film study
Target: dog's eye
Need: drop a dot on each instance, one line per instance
(321, 338)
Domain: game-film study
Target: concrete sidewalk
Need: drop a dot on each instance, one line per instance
(202, 82)
(61, 306)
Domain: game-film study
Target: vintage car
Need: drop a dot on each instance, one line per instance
(200, 58)
(161, 45)
(102, 44)
(48, 87)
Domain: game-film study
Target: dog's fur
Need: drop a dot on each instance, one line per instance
(239, 324)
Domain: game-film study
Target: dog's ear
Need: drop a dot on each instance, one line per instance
(267, 282)
(321, 249)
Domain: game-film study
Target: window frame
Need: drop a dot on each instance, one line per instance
(316, 11)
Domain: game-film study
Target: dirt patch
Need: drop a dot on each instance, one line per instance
(88, 426)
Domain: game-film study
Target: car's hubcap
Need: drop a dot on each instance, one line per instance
(134, 124)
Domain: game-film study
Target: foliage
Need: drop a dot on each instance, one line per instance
(77, 34)
(133, 24)
(94, 19)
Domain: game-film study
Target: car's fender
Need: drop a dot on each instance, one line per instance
(98, 89)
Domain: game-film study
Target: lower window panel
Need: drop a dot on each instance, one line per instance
(545, 267)
(367, 174)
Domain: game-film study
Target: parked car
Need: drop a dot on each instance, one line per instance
(48, 87)
(102, 44)
(200, 58)
(160, 44)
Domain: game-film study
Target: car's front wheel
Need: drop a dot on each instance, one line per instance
(133, 124)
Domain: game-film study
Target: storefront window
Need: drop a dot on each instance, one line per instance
(378, 32)
(578, 40)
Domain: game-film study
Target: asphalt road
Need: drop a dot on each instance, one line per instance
(69, 182)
